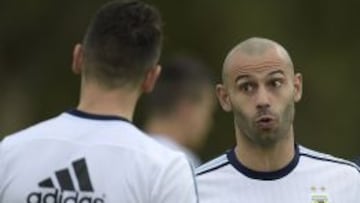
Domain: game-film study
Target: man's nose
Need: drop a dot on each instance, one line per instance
(262, 99)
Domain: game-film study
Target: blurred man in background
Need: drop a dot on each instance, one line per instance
(94, 153)
(180, 109)
(261, 88)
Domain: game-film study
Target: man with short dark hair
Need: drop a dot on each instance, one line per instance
(94, 153)
(180, 109)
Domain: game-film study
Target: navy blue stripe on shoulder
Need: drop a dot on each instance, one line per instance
(213, 164)
(338, 161)
(357, 161)
(212, 168)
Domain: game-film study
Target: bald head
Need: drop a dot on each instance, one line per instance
(255, 47)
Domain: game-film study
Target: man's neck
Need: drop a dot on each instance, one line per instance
(265, 159)
(117, 102)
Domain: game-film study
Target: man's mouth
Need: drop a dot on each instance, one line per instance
(265, 121)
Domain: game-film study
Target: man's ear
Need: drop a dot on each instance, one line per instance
(298, 87)
(150, 79)
(223, 97)
(78, 57)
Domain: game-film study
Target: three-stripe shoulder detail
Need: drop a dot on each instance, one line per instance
(326, 157)
(212, 165)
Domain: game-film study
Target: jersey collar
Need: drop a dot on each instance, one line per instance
(273, 175)
(86, 115)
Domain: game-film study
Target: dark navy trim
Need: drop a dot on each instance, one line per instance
(273, 175)
(330, 160)
(356, 161)
(86, 115)
(213, 168)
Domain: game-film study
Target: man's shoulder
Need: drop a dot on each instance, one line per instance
(213, 165)
(328, 160)
(109, 137)
(142, 147)
(28, 133)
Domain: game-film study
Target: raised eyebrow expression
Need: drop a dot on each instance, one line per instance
(245, 76)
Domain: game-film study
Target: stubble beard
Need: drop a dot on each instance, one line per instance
(267, 138)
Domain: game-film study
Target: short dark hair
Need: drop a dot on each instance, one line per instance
(182, 77)
(122, 41)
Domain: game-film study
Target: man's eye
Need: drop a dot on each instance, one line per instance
(276, 83)
(247, 87)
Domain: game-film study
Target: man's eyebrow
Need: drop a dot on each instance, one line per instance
(240, 77)
(276, 72)
(246, 76)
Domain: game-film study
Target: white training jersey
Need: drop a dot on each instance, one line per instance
(311, 177)
(85, 158)
(166, 141)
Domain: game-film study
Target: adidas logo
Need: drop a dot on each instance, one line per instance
(68, 191)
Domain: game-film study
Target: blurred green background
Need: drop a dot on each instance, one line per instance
(323, 38)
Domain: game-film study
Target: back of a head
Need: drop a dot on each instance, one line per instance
(123, 40)
(182, 78)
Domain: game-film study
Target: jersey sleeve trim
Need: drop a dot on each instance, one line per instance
(337, 161)
(212, 165)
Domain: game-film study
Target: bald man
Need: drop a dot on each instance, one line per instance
(259, 86)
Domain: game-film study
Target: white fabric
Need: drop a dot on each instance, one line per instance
(312, 177)
(124, 165)
(193, 158)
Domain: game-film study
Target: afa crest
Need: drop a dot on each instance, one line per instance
(319, 195)
(319, 199)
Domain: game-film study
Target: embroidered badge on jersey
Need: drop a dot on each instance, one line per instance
(319, 195)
